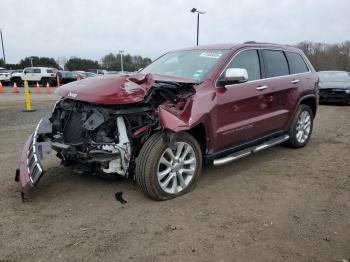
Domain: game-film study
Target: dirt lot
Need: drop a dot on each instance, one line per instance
(279, 205)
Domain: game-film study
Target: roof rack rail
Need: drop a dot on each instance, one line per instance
(250, 42)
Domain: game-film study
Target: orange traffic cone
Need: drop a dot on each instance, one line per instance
(1, 88)
(15, 88)
(58, 82)
(37, 89)
(48, 89)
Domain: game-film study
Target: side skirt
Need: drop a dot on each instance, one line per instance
(249, 150)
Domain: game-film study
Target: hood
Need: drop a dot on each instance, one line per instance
(334, 85)
(115, 89)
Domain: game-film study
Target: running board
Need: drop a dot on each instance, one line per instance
(250, 150)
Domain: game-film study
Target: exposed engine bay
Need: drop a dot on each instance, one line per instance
(104, 139)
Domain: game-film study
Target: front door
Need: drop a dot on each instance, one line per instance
(244, 110)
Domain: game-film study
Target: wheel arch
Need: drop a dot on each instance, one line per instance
(311, 101)
(200, 134)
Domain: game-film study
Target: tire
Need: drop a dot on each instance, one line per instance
(18, 82)
(149, 164)
(44, 82)
(296, 140)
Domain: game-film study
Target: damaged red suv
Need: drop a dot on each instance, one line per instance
(209, 103)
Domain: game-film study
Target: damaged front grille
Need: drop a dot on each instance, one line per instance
(34, 167)
(94, 135)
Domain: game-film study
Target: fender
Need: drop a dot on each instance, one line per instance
(301, 99)
(172, 122)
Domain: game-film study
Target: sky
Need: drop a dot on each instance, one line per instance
(92, 29)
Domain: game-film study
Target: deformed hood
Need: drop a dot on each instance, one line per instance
(110, 89)
(114, 89)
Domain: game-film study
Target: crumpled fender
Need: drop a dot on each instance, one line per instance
(196, 111)
(170, 121)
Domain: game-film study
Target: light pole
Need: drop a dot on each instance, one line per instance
(194, 10)
(31, 61)
(3, 49)
(121, 59)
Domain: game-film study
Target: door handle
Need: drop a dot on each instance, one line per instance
(260, 88)
(295, 81)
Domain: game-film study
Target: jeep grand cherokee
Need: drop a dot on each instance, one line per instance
(208, 103)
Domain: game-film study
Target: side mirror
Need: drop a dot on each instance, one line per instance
(234, 76)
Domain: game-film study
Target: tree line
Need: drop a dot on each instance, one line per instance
(322, 56)
(327, 56)
(111, 62)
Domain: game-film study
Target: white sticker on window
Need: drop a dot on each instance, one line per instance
(214, 55)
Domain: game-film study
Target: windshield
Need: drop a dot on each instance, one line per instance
(193, 64)
(334, 76)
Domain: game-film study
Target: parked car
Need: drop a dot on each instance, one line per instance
(98, 71)
(88, 74)
(208, 103)
(83, 74)
(5, 76)
(334, 87)
(66, 77)
(33, 75)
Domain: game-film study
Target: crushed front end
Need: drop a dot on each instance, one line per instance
(102, 139)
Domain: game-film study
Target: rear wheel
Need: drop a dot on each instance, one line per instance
(301, 127)
(163, 171)
(46, 81)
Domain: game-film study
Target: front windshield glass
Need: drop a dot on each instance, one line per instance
(334, 76)
(193, 64)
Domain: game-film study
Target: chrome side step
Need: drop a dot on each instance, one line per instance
(250, 150)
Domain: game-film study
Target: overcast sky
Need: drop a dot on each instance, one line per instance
(91, 29)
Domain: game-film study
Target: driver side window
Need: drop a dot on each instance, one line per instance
(248, 60)
(28, 71)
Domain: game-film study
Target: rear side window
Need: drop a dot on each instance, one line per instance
(248, 60)
(276, 63)
(49, 71)
(296, 63)
(36, 71)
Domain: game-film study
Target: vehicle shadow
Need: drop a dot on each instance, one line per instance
(60, 180)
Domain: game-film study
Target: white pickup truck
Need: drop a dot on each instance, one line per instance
(33, 75)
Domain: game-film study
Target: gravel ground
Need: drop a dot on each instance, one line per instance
(278, 205)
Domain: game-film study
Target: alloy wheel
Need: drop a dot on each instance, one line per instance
(303, 127)
(176, 167)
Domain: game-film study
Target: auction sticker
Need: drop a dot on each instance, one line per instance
(214, 55)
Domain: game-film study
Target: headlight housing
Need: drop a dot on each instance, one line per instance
(347, 91)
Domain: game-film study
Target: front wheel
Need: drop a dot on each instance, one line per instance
(301, 127)
(164, 171)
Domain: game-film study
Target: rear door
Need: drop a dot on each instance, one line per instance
(282, 85)
(243, 110)
(36, 74)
